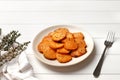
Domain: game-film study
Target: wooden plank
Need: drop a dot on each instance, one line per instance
(72, 77)
(58, 17)
(96, 30)
(59, 0)
(84, 68)
(77, 77)
(59, 5)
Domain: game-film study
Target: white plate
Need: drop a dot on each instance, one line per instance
(40, 35)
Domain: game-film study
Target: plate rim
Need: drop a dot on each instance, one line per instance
(62, 64)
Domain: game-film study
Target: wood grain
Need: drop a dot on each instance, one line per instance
(95, 16)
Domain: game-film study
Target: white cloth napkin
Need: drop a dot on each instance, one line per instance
(19, 69)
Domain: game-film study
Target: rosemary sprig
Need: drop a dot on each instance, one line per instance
(8, 40)
(7, 44)
(13, 52)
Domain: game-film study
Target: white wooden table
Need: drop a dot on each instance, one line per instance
(96, 17)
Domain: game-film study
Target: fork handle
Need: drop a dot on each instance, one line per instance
(97, 70)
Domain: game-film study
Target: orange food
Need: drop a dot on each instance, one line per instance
(62, 30)
(63, 51)
(55, 45)
(69, 36)
(62, 45)
(70, 44)
(82, 44)
(63, 58)
(42, 46)
(78, 35)
(78, 52)
(58, 36)
(49, 53)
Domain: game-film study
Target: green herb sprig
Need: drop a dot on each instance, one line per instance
(7, 44)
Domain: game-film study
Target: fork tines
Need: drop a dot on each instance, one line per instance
(110, 36)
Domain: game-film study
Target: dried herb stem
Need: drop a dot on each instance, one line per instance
(7, 44)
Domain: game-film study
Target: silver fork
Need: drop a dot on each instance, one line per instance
(108, 43)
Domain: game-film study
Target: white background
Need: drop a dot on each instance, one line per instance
(95, 16)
